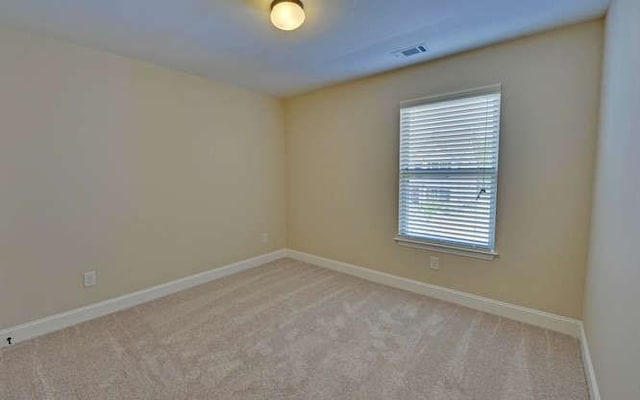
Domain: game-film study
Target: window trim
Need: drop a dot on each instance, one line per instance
(433, 245)
(417, 243)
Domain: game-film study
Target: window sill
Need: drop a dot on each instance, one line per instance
(443, 248)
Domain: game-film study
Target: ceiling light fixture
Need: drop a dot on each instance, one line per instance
(287, 14)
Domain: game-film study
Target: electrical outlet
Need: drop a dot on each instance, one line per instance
(89, 279)
(265, 238)
(434, 263)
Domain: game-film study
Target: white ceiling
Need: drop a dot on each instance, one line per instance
(233, 40)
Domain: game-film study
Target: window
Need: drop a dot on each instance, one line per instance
(449, 172)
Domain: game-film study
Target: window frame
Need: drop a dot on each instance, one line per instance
(426, 244)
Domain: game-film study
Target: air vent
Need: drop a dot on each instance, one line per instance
(411, 51)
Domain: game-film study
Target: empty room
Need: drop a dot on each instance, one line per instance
(319, 199)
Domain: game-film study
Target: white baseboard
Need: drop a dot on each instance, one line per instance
(59, 321)
(589, 371)
(530, 316)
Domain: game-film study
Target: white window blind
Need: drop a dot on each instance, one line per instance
(449, 170)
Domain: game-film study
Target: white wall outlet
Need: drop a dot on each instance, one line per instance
(89, 279)
(434, 263)
(265, 238)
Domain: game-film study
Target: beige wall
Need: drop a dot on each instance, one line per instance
(612, 306)
(342, 145)
(146, 175)
(138, 172)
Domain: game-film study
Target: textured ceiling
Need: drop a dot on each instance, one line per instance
(233, 40)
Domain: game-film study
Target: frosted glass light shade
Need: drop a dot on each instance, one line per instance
(287, 14)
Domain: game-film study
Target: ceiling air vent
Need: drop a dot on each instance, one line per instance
(411, 51)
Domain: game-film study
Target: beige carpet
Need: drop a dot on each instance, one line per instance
(289, 330)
